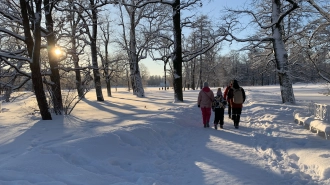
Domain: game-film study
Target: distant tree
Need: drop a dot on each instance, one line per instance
(144, 74)
(155, 80)
(318, 43)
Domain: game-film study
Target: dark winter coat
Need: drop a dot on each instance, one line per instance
(231, 95)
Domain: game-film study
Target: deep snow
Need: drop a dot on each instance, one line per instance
(127, 140)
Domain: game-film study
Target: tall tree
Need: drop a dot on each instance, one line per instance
(31, 13)
(176, 57)
(135, 15)
(90, 21)
(56, 94)
(74, 41)
(105, 30)
(273, 14)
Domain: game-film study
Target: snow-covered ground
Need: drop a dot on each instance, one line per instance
(152, 141)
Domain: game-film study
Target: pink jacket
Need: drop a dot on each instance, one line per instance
(205, 98)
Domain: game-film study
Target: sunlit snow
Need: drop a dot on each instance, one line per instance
(127, 140)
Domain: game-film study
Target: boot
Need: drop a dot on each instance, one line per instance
(236, 125)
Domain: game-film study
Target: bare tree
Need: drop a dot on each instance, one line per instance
(135, 44)
(56, 94)
(32, 14)
(73, 41)
(322, 51)
(89, 17)
(105, 29)
(273, 22)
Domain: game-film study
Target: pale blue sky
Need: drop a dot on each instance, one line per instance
(213, 9)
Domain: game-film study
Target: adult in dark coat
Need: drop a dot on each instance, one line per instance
(236, 107)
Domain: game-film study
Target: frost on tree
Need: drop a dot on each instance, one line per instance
(136, 80)
(131, 45)
(281, 55)
(274, 11)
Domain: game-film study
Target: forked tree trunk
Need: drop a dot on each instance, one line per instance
(34, 53)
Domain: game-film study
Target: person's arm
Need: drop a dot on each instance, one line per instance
(243, 92)
(212, 96)
(225, 93)
(230, 94)
(199, 99)
(230, 97)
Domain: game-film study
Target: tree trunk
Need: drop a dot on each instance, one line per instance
(12, 81)
(7, 94)
(75, 58)
(281, 57)
(56, 94)
(193, 70)
(34, 53)
(108, 86)
(106, 70)
(96, 71)
(193, 76)
(177, 54)
(128, 81)
(165, 74)
(134, 61)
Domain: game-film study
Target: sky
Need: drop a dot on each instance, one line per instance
(127, 140)
(211, 8)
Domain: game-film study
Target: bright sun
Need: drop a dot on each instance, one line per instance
(57, 51)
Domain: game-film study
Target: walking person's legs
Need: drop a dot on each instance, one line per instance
(229, 111)
(208, 116)
(216, 118)
(204, 116)
(221, 116)
(236, 115)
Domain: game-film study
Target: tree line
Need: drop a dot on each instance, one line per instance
(58, 48)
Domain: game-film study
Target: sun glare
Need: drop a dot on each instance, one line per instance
(57, 51)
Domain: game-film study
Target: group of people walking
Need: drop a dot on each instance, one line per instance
(234, 97)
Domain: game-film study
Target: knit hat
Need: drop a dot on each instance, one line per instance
(206, 84)
(219, 92)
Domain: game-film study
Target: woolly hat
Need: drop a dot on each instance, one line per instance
(219, 92)
(206, 84)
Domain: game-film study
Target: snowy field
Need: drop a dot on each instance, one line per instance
(152, 141)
